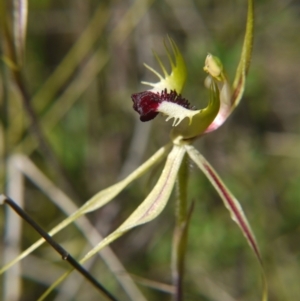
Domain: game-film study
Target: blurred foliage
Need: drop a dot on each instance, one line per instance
(98, 139)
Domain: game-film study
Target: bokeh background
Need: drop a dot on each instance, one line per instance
(84, 59)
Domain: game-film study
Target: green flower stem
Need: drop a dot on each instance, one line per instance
(182, 181)
(180, 231)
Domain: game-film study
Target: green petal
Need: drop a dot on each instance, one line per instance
(176, 79)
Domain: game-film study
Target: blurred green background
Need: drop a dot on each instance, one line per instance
(84, 107)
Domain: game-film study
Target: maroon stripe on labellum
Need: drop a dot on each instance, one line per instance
(146, 103)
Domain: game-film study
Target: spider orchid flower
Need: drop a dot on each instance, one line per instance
(188, 123)
(165, 97)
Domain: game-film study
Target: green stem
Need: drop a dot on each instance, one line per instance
(180, 231)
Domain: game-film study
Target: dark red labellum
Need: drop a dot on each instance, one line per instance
(146, 103)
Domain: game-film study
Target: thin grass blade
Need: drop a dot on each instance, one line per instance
(22, 166)
(20, 12)
(14, 17)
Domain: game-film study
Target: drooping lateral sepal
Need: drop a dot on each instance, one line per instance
(232, 204)
(149, 209)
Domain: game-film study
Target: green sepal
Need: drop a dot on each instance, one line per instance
(244, 63)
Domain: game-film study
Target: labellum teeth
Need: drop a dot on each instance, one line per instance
(147, 103)
(175, 98)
